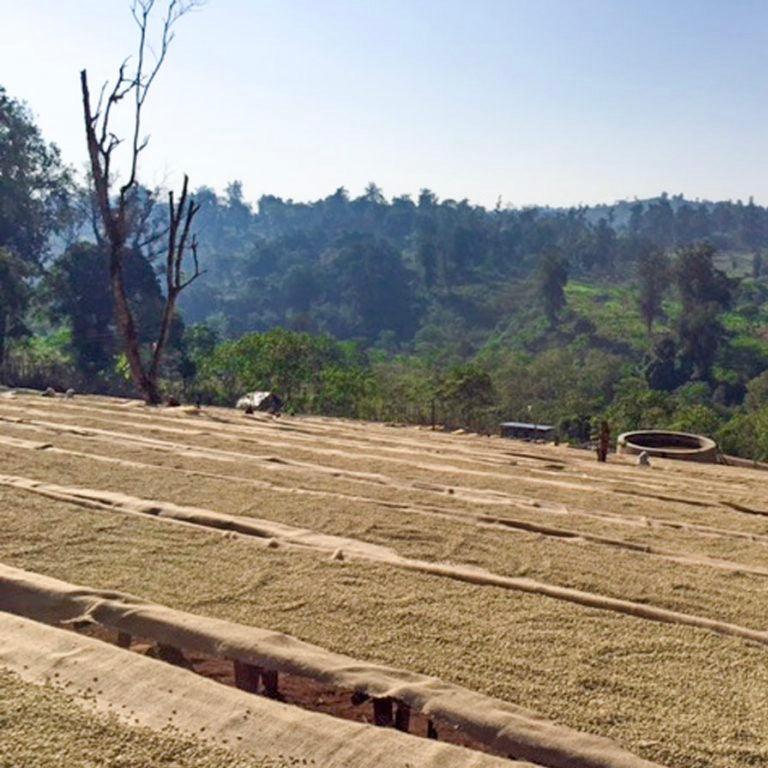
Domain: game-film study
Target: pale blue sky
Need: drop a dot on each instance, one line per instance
(536, 101)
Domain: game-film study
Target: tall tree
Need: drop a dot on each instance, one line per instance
(14, 295)
(698, 280)
(78, 285)
(116, 204)
(35, 187)
(466, 394)
(427, 255)
(705, 292)
(551, 278)
(701, 335)
(374, 286)
(635, 223)
(661, 370)
(652, 283)
(659, 221)
(752, 226)
(605, 246)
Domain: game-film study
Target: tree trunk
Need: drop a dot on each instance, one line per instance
(117, 217)
(147, 385)
(162, 339)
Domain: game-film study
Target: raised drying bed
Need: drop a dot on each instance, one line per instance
(506, 728)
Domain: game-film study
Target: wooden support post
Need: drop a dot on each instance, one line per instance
(402, 717)
(382, 712)
(431, 730)
(171, 654)
(270, 682)
(246, 676)
(124, 639)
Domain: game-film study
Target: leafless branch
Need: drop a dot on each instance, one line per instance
(152, 238)
(119, 91)
(142, 81)
(197, 272)
(130, 212)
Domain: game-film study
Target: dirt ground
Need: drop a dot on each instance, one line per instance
(686, 538)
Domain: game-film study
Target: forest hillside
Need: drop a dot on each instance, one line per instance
(648, 313)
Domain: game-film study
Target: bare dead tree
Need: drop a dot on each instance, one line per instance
(121, 213)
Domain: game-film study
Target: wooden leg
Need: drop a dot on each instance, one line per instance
(358, 698)
(270, 681)
(124, 639)
(246, 676)
(171, 654)
(402, 717)
(382, 712)
(431, 730)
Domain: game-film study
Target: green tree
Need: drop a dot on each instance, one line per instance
(746, 434)
(551, 278)
(79, 293)
(306, 370)
(426, 257)
(704, 292)
(344, 390)
(35, 187)
(605, 246)
(661, 369)
(467, 394)
(635, 406)
(200, 341)
(659, 222)
(197, 343)
(78, 287)
(696, 418)
(698, 280)
(652, 283)
(374, 285)
(757, 392)
(14, 297)
(701, 334)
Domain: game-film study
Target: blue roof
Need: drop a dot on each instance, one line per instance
(524, 425)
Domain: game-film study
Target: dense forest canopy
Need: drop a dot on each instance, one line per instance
(360, 267)
(645, 312)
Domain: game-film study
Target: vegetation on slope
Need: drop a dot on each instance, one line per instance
(650, 313)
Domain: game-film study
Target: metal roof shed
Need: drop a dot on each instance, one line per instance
(525, 431)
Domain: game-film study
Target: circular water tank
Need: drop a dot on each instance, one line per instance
(668, 445)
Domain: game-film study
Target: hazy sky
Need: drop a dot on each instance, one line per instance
(536, 101)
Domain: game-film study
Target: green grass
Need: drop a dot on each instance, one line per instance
(734, 263)
(612, 310)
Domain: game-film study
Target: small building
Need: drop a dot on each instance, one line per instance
(521, 430)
